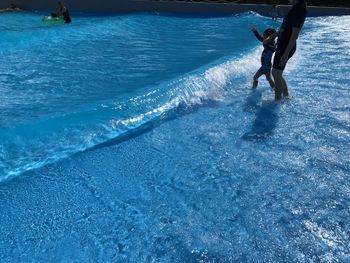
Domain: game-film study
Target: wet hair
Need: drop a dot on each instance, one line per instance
(268, 32)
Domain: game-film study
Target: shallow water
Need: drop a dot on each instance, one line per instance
(217, 172)
(67, 88)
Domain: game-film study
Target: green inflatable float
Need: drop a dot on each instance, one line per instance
(50, 20)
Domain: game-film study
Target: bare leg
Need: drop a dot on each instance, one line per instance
(285, 88)
(269, 79)
(279, 83)
(255, 79)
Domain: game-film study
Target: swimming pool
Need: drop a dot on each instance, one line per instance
(193, 165)
(66, 89)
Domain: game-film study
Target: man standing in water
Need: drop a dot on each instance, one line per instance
(286, 44)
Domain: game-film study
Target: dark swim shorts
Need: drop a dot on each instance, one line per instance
(278, 56)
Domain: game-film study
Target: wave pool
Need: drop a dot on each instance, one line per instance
(137, 138)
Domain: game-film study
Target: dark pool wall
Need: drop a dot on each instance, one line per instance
(123, 6)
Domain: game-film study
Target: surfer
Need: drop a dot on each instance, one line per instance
(286, 44)
(266, 56)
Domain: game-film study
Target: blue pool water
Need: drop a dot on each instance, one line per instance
(65, 89)
(185, 163)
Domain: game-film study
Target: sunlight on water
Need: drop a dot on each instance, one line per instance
(188, 163)
(64, 97)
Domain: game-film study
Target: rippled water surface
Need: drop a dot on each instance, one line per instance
(67, 88)
(188, 163)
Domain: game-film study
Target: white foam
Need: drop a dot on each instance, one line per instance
(211, 83)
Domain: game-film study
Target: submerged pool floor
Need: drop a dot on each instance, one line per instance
(241, 179)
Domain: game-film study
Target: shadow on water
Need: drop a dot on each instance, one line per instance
(170, 115)
(266, 117)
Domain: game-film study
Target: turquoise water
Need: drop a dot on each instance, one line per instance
(185, 163)
(67, 88)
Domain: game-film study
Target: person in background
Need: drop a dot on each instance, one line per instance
(12, 8)
(266, 56)
(287, 44)
(63, 12)
(274, 11)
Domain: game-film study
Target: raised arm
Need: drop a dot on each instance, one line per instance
(257, 35)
